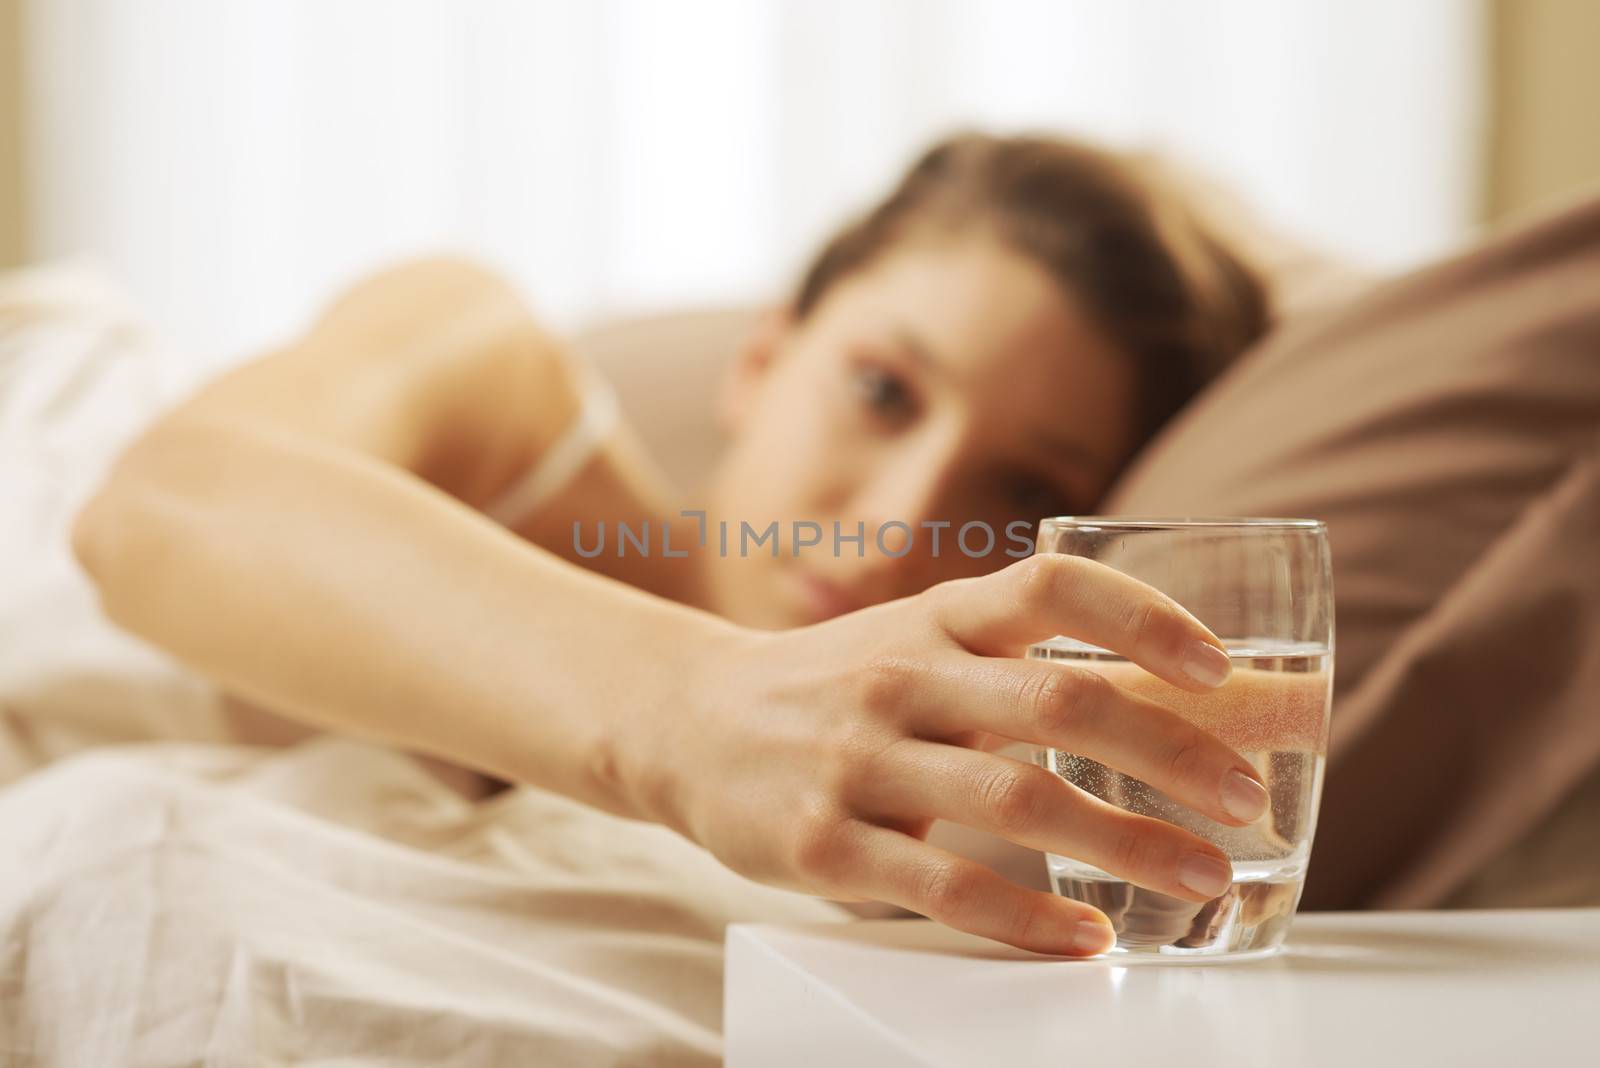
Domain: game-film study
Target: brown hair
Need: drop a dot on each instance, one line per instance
(1126, 248)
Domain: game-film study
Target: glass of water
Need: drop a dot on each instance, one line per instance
(1265, 587)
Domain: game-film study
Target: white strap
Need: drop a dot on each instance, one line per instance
(598, 415)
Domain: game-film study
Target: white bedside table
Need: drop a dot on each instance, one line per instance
(1511, 989)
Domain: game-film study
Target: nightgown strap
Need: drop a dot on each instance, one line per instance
(598, 415)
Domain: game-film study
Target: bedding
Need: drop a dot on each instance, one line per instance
(332, 902)
(317, 900)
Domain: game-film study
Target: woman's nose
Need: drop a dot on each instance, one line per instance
(900, 507)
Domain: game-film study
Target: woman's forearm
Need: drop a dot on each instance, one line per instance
(353, 595)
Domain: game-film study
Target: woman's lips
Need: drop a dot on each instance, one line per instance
(824, 599)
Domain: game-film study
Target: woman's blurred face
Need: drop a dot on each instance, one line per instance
(948, 381)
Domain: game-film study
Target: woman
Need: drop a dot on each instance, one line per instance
(990, 345)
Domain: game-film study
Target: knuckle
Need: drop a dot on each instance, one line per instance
(1040, 579)
(1133, 852)
(940, 605)
(817, 849)
(1060, 699)
(946, 891)
(1140, 620)
(887, 681)
(1186, 756)
(944, 595)
(865, 758)
(1156, 625)
(1031, 921)
(1049, 699)
(1013, 798)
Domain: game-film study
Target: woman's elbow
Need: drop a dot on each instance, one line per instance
(106, 538)
(131, 530)
(91, 530)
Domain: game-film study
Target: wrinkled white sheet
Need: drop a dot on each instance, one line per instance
(170, 896)
(332, 903)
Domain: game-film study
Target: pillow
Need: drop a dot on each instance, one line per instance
(1435, 425)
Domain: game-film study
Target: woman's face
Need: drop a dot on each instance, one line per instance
(948, 381)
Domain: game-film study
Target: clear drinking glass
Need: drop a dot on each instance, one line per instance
(1265, 587)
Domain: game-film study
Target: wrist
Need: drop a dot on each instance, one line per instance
(649, 762)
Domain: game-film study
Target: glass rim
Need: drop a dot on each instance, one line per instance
(1095, 523)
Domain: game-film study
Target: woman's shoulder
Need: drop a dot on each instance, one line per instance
(434, 364)
(434, 292)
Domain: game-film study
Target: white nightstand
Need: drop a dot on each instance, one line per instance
(1507, 989)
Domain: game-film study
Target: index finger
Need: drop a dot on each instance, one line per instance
(1052, 594)
(961, 893)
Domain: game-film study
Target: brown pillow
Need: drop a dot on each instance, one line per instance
(1486, 714)
(1431, 424)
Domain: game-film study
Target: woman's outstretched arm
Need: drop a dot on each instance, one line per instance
(300, 531)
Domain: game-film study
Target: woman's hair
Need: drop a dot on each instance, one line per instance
(1126, 249)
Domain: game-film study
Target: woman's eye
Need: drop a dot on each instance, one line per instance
(1036, 497)
(882, 391)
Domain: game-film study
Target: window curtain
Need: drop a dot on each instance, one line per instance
(235, 161)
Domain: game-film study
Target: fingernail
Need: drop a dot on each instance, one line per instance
(1206, 664)
(1204, 874)
(1091, 937)
(1242, 797)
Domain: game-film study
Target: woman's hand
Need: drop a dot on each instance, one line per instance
(819, 758)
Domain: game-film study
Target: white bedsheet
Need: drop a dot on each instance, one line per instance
(169, 896)
(332, 903)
